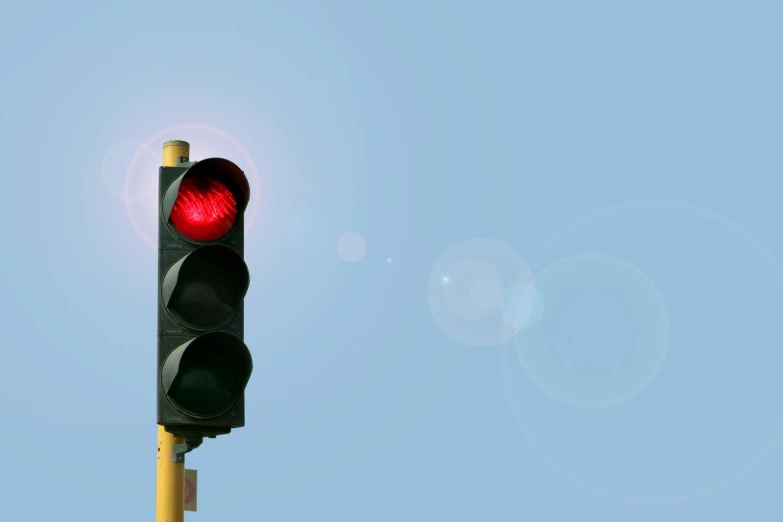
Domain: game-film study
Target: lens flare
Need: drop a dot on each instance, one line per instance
(469, 292)
(708, 417)
(351, 247)
(603, 337)
(522, 305)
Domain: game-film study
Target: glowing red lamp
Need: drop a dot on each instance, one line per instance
(205, 209)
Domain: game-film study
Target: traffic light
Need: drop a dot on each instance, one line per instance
(203, 363)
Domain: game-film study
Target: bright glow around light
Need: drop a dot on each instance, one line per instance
(203, 138)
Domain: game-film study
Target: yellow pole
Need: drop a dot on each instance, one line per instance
(170, 502)
(170, 505)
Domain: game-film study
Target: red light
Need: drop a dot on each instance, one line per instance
(205, 209)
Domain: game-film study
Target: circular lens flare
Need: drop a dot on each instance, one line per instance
(205, 209)
(635, 443)
(604, 336)
(469, 291)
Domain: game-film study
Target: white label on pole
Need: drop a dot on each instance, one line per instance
(191, 483)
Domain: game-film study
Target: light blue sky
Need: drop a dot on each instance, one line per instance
(476, 146)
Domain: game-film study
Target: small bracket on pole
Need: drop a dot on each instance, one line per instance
(183, 161)
(179, 450)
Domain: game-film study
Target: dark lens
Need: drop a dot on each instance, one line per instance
(205, 384)
(210, 286)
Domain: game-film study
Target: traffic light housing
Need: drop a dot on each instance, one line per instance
(203, 363)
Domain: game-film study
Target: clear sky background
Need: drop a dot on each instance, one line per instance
(568, 307)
